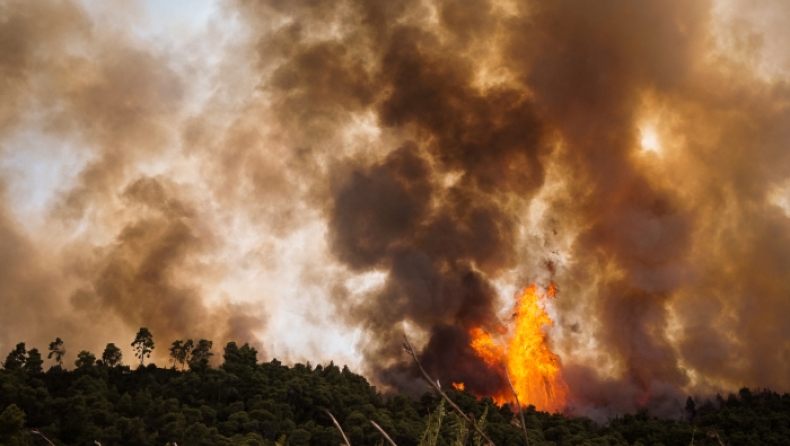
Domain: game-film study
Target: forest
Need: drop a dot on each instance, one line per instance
(246, 402)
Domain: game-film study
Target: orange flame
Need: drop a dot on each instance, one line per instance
(458, 386)
(533, 368)
(485, 346)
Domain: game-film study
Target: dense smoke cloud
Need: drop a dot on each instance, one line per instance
(443, 154)
(118, 248)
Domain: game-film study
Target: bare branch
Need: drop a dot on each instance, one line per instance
(383, 433)
(38, 432)
(407, 346)
(338, 427)
(518, 405)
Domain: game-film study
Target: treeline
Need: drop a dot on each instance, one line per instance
(244, 402)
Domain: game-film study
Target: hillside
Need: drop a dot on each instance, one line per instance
(244, 402)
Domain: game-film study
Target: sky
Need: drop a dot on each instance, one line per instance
(317, 178)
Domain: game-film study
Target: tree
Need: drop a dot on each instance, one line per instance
(57, 350)
(299, 437)
(85, 360)
(238, 358)
(691, 409)
(112, 355)
(143, 345)
(200, 355)
(179, 352)
(12, 426)
(16, 358)
(34, 362)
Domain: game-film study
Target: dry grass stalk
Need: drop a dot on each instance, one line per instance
(715, 435)
(38, 432)
(383, 433)
(407, 346)
(518, 406)
(338, 427)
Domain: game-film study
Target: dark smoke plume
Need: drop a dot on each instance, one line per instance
(442, 153)
(491, 97)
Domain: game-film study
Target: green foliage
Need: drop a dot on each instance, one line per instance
(459, 425)
(12, 424)
(201, 354)
(478, 439)
(85, 360)
(112, 355)
(299, 437)
(239, 360)
(431, 435)
(33, 362)
(244, 402)
(143, 345)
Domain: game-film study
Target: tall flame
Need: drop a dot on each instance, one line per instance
(485, 346)
(533, 368)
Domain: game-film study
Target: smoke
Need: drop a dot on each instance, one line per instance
(363, 169)
(136, 277)
(105, 244)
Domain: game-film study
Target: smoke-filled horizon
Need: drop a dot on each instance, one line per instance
(319, 177)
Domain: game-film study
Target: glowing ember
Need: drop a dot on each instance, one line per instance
(458, 386)
(533, 368)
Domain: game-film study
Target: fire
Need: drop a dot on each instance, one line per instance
(533, 368)
(485, 346)
(458, 386)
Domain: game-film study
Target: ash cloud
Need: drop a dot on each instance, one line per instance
(452, 147)
(478, 106)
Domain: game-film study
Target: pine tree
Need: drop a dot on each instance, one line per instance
(200, 355)
(16, 358)
(33, 362)
(57, 350)
(143, 345)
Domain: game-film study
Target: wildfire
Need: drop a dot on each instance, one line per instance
(533, 368)
(459, 386)
(485, 346)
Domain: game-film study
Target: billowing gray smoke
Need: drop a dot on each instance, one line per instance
(454, 148)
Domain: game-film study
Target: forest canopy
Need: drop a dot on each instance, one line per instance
(247, 402)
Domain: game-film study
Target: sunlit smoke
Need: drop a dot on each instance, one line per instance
(649, 140)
